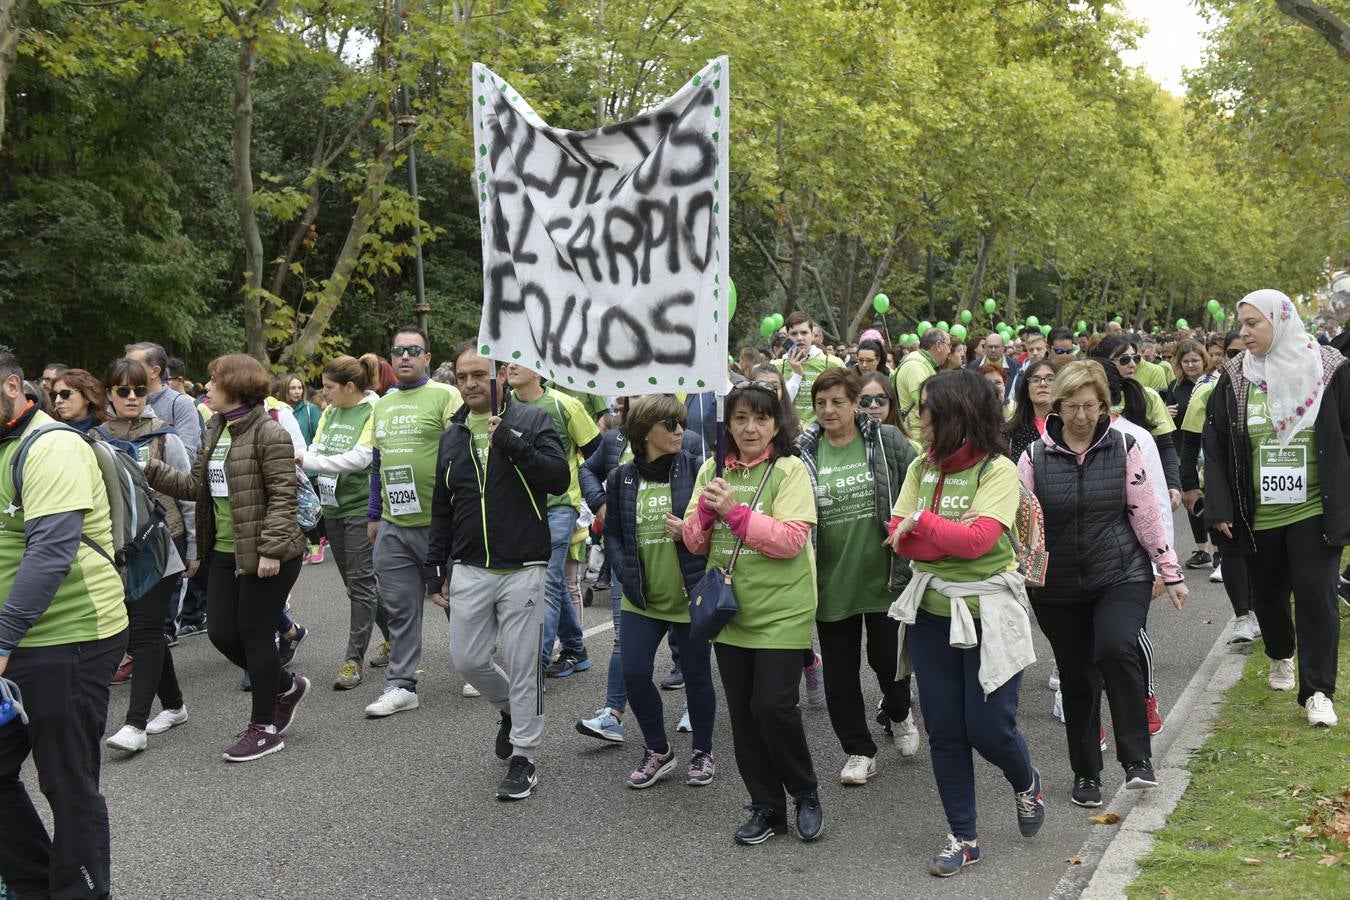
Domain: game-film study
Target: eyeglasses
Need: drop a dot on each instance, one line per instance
(1061, 351)
(414, 352)
(64, 394)
(1045, 380)
(1232, 352)
(125, 390)
(1070, 410)
(869, 400)
(671, 424)
(1126, 359)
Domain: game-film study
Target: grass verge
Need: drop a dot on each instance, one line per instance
(1267, 812)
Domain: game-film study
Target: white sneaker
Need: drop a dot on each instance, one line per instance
(685, 726)
(1245, 630)
(470, 691)
(1054, 676)
(394, 699)
(1216, 577)
(857, 769)
(166, 719)
(905, 734)
(1281, 674)
(132, 739)
(1320, 710)
(1058, 711)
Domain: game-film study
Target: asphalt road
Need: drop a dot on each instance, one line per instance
(405, 806)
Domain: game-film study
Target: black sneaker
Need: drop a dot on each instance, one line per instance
(1030, 806)
(1199, 560)
(762, 825)
(568, 661)
(189, 629)
(504, 748)
(810, 820)
(1139, 775)
(519, 781)
(674, 681)
(286, 647)
(1087, 791)
(1343, 588)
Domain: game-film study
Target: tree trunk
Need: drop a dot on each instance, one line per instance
(255, 343)
(1171, 307)
(1143, 301)
(1331, 27)
(929, 276)
(307, 344)
(1012, 284)
(13, 14)
(882, 269)
(986, 247)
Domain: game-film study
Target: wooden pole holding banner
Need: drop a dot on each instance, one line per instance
(721, 431)
(492, 391)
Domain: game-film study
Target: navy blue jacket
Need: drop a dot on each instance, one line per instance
(621, 525)
(593, 473)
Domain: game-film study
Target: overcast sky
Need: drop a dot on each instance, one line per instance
(1175, 39)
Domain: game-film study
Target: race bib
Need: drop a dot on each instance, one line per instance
(215, 477)
(1284, 475)
(400, 490)
(327, 490)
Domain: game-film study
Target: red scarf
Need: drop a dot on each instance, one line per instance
(959, 461)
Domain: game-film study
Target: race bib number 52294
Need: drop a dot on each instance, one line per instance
(400, 490)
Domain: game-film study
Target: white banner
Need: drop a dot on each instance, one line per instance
(605, 263)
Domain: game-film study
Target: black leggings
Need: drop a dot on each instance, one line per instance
(153, 672)
(241, 618)
(841, 653)
(1198, 531)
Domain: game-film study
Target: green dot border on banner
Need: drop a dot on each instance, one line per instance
(591, 384)
(680, 381)
(515, 354)
(486, 350)
(700, 383)
(652, 380)
(619, 385)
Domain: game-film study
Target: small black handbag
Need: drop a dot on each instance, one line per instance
(713, 603)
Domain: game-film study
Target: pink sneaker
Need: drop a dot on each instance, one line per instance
(814, 677)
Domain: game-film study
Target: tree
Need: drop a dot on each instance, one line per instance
(1321, 20)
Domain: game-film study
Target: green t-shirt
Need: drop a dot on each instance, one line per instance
(219, 486)
(1285, 482)
(1194, 420)
(662, 581)
(855, 567)
(915, 369)
(995, 494)
(811, 370)
(61, 475)
(1152, 375)
(406, 429)
(1156, 411)
(478, 423)
(575, 429)
(777, 597)
(347, 495)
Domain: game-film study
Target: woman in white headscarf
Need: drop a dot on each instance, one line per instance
(1277, 488)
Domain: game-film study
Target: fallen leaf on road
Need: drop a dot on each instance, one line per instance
(1330, 860)
(1252, 861)
(1074, 860)
(1107, 818)
(1283, 854)
(1165, 891)
(1207, 622)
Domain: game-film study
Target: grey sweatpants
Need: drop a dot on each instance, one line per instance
(399, 555)
(352, 553)
(486, 608)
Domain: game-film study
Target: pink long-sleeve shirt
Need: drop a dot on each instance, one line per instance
(1147, 522)
(764, 534)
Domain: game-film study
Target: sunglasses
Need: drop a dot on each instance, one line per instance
(869, 400)
(671, 424)
(1232, 352)
(414, 352)
(1061, 351)
(125, 391)
(761, 385)
(64, 394)
(1126, 359)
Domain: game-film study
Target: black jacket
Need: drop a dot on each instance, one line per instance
(1087, 517)
(505, 525)
(1229, 494)
(594, 472)
(621, 525)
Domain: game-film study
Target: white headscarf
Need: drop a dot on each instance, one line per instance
(1291, 371)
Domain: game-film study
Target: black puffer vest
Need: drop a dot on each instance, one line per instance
(1087, 519)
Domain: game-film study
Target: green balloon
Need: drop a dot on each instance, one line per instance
(924, 326)
(1082, 326)
(990, 305)
(1033, 322)
(959, 331)
(881, 303)
(1045, 330)
(942, 326)
(966, 316)
(1119, 320)
(1213, 306)
(731, 299)
(777, 321)
(1182, 323)
(1220, 317)
(766, 328)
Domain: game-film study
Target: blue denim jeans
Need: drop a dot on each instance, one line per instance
(616, 693)
(561, 621)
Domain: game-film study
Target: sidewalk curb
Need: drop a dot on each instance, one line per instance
(1111, 854)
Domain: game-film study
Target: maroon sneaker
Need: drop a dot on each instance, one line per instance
(255, 743)
(287, 702)
(123, 673)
